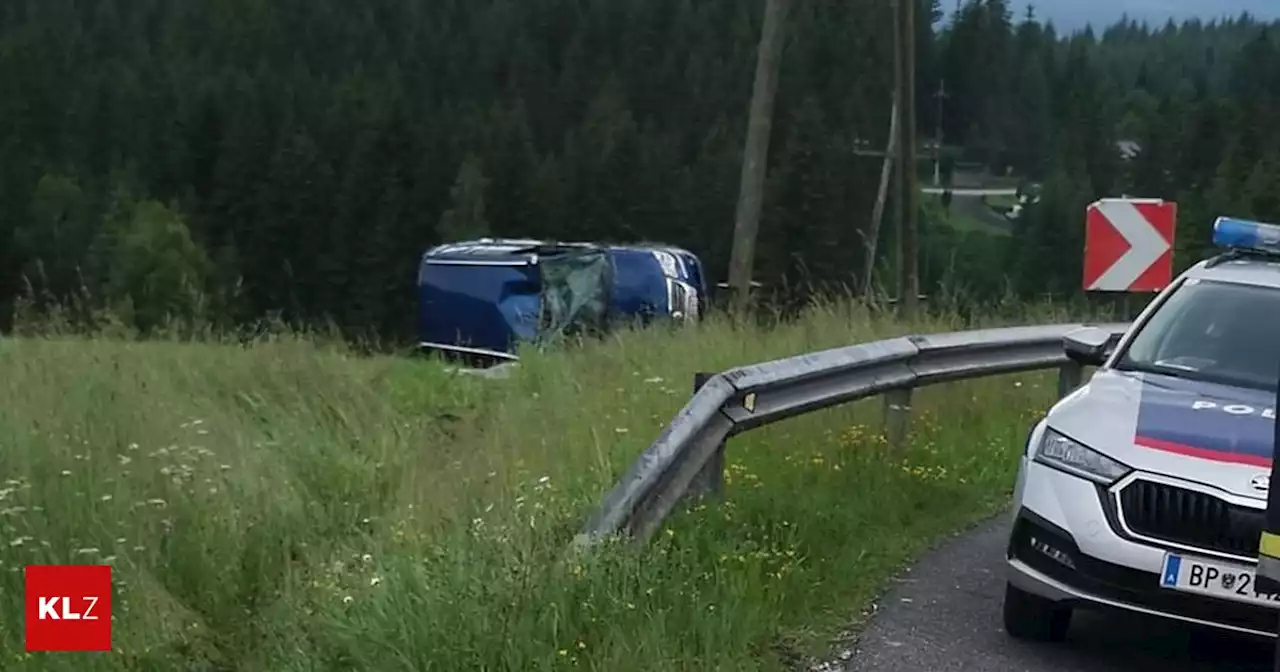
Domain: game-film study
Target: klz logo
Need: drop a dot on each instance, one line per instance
(49, 609)
(68, 607)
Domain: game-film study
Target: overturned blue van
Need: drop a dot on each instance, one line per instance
(478, 300)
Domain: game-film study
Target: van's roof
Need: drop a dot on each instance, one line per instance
(504, 251)
(526, 250)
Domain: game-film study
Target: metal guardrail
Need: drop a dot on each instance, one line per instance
(687, 458)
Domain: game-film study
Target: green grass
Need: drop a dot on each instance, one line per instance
(289, 507)
(965, 222)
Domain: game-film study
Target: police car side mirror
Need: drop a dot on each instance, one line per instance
(1089, 346)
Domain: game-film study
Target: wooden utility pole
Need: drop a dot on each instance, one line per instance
(898, 166)
(877, 214)
(941, 95)
(755, 154)
(909, 284)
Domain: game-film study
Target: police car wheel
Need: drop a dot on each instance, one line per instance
(1031, 617)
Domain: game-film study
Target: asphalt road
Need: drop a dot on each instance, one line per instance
(943, 615)
(969, 202)
(974, 207)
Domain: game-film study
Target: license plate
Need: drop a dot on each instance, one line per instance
(1225, 580)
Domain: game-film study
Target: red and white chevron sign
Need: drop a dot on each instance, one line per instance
(1128, 245)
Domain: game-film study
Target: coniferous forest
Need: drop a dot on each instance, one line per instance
(225, 161)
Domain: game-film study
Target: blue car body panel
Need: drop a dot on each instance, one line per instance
(640, 288)
(489, 310)
(484, 297)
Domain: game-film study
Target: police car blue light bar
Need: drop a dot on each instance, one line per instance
(1242, 234)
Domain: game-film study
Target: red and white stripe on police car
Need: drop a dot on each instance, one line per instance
(1129, 245)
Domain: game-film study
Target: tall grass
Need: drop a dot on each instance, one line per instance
(286, 506)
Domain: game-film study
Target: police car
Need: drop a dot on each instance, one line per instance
(1145, 490)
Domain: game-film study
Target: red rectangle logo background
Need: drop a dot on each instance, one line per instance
(76, 582)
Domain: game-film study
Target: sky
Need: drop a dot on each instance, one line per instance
(1074, 14)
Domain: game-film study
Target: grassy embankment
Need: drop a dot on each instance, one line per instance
(289, 507)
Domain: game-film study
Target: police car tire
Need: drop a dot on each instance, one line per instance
(1034, 618)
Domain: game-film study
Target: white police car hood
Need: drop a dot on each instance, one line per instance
(1214, 434)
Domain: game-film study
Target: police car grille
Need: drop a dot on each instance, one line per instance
(1191, 518)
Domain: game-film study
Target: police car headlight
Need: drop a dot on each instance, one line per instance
(1064, 454)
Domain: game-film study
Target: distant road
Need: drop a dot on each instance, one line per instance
(971, 192)
(969, 202)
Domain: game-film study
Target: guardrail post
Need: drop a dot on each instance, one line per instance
(1070, 376)
(709, 481)
(897, 416)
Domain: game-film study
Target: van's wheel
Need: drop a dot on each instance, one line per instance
(1034, 618)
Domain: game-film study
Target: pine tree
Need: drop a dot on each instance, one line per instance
(465, 218)
(306, 142)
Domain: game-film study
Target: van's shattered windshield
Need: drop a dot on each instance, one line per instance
(576, 289)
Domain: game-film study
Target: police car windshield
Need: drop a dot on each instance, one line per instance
(1217, 332)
